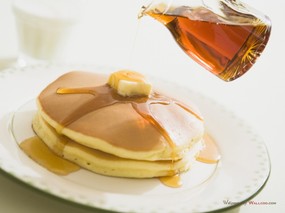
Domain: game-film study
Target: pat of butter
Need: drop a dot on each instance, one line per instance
(129, 83)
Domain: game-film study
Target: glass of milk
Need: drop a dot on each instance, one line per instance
(44, 27)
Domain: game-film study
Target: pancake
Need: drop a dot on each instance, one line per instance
(107, 164)
(118, 129)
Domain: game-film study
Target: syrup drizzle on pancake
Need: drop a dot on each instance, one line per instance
(105, 96)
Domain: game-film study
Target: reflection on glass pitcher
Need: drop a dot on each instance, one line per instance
(224, 36)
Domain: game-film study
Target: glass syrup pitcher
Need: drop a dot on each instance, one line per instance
(224, 36)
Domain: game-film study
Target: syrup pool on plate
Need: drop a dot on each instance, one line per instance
(209, 154)
(36, 149)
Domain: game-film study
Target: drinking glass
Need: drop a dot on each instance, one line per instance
(43, 28)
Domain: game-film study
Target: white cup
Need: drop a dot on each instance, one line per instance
(44, 27)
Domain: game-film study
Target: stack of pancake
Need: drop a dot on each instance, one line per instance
(112, 137)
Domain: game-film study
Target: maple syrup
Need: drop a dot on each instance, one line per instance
(227, 47)
(209, 155)
(37, 150)
(172, 181)
(105, 96)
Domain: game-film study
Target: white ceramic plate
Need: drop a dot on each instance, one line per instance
(240, 175)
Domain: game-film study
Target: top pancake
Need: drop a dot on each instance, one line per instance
(117, 129)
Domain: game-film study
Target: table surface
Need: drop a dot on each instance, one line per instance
(258, 97)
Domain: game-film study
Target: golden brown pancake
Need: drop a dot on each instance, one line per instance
(117, 129)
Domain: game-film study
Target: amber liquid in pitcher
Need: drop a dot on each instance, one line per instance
(227, 47)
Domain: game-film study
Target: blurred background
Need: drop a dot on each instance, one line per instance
(109, 33)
